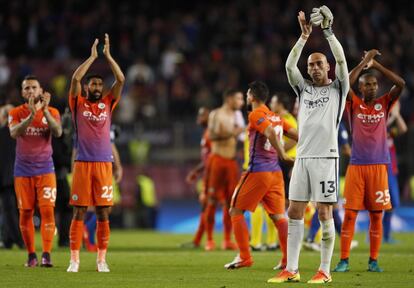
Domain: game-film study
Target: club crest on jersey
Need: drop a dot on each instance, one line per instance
(44, 121)
(378, 107)
(101, 105)
(75, 197)
(310, 104)
(324, 91)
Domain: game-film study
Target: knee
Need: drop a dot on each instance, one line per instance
(102, 213)
(295, 213)
(276, 217)
(79, 213)
(324, 212)
(26, 213)
(235, 211)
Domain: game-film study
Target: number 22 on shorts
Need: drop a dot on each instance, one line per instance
(107, 193)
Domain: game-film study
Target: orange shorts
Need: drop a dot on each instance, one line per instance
(221, 178)
(92, 184)
(256, 187)
(39, 189)
(366, 188)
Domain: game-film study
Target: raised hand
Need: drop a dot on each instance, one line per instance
(31, 105)
(304, 26)
(45, 100)
(369, 58)
(106, 49)
(94, 50)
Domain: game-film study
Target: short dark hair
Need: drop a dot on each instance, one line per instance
(91, 76)
(259, 90)
(30, 77)
(285, 100)
(229, 93)
(366, 75)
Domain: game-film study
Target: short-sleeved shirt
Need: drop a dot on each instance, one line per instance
(369, 129)
(92, 122)
(34, 147)
(319, 115)
(263, 157)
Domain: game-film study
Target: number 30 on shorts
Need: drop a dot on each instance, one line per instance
(107, 193)
(382, 197)
(49, 193)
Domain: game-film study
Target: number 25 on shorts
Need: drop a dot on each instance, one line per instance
(382, 197)
(107, 193)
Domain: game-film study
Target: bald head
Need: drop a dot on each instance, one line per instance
(318, 68)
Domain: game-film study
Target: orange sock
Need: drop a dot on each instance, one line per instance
(375, 233)
(282, 229)
(227, 224)
(76, 231)
(347, 232)
(27, 229)
(209, 220)
(102, 235)
(47, 228)
(241, 233)
(200, 230)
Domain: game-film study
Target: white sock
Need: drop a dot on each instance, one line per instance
(294, 242)
(327, 244)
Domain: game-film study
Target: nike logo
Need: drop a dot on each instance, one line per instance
(86, 105)
(327, 195)
(362, 107)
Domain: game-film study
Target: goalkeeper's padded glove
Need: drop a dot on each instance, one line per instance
(327, 21)
(316, 17)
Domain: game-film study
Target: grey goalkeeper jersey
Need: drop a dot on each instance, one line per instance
(320, 112)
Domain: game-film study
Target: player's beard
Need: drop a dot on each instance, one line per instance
(94, 95)
(36, 99)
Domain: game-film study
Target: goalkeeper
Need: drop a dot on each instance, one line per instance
(315, 172)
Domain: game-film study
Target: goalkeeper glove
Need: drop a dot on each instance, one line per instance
(327, 21)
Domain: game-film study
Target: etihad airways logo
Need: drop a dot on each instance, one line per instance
(310, 104)
(371, 118)
(97, 118)
(37, 131)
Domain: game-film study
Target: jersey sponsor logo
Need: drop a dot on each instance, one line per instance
(311, 104)
(96, 118)
(371, 118)
(378, 107)
(101, 105)
(44, 120)
(37, 131)
(260, 121)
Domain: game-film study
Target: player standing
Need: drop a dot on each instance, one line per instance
(92, 171)
(366, 180)
(32, 125)
(315, 173)
(222, 170)
(263, 181)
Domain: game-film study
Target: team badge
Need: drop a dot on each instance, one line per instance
(324, 91)
(44, 121)
(75, 197)
(378, 107)
(101, 106)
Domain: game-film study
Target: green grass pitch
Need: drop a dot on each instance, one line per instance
(151, 259)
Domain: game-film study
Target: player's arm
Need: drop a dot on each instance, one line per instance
(292, 70)
(341, 69)
(346, 149)
(193, 174)
(399, 82)
(54, 125)
(75, 84)
(363, 65)
(395, 117)
(270, 134)
(116, 70)
(17, 130)
(117, 164)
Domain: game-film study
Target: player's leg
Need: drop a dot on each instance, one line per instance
(211, 202)
(232, 177)
(377, 199)
(271, 234)
(26, 197)
(256, 224)
(313, 230)
(102, 200)
(80, 200)
(395, 202)
(46, 198)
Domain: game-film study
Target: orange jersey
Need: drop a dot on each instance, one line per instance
(34, 147)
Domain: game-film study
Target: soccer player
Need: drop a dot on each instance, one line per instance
(197, 171)
(263, 181)
(92, 171)
(315, 173)
(366, 180)
(32, 125)
(222, 170)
